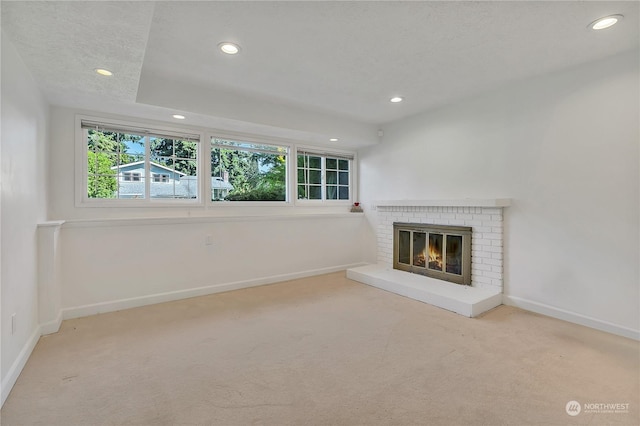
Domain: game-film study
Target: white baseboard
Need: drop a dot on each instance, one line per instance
(14, 372)
(569, 316)
(51, 326)
(118, 305)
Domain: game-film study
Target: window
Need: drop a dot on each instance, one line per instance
(158, 177)
(120, 158)
(131, 177)
(247, 171)
(324, 176)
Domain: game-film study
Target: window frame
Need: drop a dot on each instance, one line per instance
(239, 137)
(82, 173)
(203, 162)
(325, 153)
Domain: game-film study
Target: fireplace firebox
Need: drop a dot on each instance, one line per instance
(437, 251)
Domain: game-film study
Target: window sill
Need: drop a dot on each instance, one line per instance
(189, 220)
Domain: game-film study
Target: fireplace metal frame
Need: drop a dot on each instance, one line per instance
(463, 231)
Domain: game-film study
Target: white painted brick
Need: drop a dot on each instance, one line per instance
(456, 222)
(480, 242)
(482, 228)
(483, 217)
(496, 255)
(488, 210)
(447, 215)
(497, 283)
(496, 217)
(480, 267)
(497, 230)
(481, 280)
(496, 269)
(496, 275)
(464, 216)
(496, 243)
(472, 222)
(493, 249)
(480, 254)
(491, 236)
(494, 262)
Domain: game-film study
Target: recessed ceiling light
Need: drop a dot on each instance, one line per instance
(396, 99)
(333, 140)
(178, 116)
(606, 22)
(104, 72)
(229, 48)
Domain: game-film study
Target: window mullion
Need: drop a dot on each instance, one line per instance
(147, 168)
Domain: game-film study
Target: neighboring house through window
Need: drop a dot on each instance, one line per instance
(121, 158)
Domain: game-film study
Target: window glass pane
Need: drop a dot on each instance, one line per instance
(301, 177)
(343, 192)
(302, 192)
(315, 176)
(109, 156)
(344, 178)
(332, 178)
(315, 192)
(242, 171)
(176, 159)
(302, 160)
(343, 164)
(332, 163)
(332, 192)
(315, 162)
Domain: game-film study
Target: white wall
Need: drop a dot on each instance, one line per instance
(107, 265)
(25, 119)
(112, 258)
(564, 147)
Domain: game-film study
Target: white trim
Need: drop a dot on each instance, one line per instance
(572, 317)
(51, 326)
(139, 221)
(464, 202)
(21, 360)
(117, 305)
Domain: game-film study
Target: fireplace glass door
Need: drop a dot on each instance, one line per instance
(437, 251)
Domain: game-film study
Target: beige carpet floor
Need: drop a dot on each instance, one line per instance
(322, 351)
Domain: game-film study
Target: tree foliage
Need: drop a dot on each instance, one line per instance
(175, 153)
(101, 181)
(254, 176)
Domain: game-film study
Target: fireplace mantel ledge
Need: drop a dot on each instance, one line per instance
(464, 202)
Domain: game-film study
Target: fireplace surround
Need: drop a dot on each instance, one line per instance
(483, 216)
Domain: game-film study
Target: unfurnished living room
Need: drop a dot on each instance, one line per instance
(319, 212)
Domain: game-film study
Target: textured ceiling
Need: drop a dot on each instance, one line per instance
(343, 59)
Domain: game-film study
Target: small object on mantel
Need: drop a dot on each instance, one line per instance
(356, 208)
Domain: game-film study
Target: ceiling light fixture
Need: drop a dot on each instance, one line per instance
(179, 116)
(104, 72)
(333, 140)
(606, 22)
(396, 99)
(229, 48)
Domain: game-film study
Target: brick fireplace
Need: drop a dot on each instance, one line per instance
(483, 216)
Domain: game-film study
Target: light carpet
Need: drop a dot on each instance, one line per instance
(323, 350)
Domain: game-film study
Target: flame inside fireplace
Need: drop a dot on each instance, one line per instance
(435, 258)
